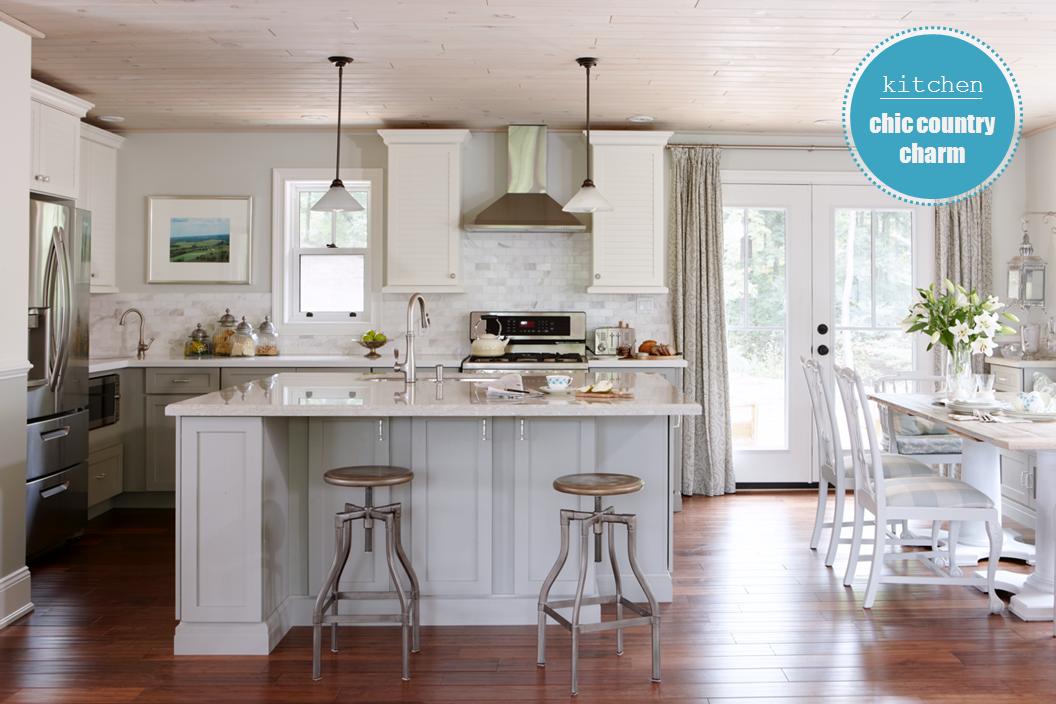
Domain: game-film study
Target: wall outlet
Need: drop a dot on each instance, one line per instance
(644, 304)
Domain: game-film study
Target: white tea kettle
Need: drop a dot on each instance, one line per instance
(488, 344)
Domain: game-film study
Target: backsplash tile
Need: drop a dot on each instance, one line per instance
(500, 272)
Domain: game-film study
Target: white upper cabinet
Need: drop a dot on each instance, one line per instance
(629, 241)
(98, 194)
(55, 120)
(423, 234)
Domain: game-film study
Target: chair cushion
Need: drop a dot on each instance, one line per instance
(913, 425)
(928, 444)
(894, 466)
(934, 492)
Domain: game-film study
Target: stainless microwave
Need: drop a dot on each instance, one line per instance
(104, 401)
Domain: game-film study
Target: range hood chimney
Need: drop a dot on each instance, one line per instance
(526, 207)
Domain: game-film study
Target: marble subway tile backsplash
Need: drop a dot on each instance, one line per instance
(500, 272)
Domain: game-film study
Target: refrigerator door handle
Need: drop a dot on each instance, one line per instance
(62, 432)
(55, 490)
(64, 313)
(51, 311)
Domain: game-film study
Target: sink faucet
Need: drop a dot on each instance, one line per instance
(142, 347)
(408, 364)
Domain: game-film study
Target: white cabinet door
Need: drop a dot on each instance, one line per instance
(345, 442)
(545, 449)
(56, 137)
(452, 500)
(423, 231)
(98, 194)
(629, 240)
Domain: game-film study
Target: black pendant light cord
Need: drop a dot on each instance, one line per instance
(587, 62)
(340, 88)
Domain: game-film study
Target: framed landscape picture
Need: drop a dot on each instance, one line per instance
(199, 239)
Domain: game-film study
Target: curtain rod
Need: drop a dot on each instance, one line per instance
(797, 147)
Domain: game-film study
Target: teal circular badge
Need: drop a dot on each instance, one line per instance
(932, 115)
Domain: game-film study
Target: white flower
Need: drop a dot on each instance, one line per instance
(983, 345)
(962, 300)
(935, 337)
(919, 310)
(960, 332)
(985, 324)
(992, 303)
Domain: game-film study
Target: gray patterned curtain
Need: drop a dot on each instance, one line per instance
(962, 243)
(695, 244)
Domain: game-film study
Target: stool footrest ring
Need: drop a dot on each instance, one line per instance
(360, 619)
(613, 625)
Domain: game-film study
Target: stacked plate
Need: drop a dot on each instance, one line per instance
(971, 406)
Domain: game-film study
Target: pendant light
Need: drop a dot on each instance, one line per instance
(587, 198)
(338, 199)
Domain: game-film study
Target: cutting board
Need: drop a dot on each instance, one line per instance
(607, 396)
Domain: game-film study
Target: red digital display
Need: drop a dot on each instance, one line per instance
(526, 324)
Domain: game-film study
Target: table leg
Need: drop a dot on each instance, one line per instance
(981, 467)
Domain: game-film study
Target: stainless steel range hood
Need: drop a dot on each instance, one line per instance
(526, 207)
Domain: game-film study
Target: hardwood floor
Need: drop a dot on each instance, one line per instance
(757, 618)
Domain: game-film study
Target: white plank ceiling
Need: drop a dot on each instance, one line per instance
(712, 65)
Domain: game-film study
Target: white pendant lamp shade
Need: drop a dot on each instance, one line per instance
(588, 199)
(338, 199)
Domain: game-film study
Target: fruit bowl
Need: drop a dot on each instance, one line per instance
(373, 345)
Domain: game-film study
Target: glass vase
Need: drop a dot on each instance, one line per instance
(959, 379)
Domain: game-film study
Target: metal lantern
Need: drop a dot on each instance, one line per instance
(1026, 275)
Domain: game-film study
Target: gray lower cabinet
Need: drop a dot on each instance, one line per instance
(452, 463)
(233, 376)
(343, 442)
(160, 465)
(105, 474)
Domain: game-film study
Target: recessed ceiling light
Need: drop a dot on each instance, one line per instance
(640, 119)
(110, 118)
(313, 118)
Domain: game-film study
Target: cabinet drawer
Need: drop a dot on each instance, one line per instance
(105, 474)
(182, 381)
(1007, 378)
(234, 377)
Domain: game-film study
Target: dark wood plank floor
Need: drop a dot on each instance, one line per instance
(757, 618)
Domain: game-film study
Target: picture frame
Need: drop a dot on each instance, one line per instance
(199, 239)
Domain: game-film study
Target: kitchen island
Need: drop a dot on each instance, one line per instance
(255, 519)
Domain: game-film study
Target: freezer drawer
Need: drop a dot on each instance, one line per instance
(56, 509)
(55, 444)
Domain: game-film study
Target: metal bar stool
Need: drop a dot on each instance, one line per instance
(367, 477)
(598, 485)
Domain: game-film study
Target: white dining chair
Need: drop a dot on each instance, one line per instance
(941, 450)
(888, 498)
(834, 468)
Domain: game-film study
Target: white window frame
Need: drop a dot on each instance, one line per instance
(285, 246)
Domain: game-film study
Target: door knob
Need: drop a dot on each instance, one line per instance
(823, 350)
(823, 329)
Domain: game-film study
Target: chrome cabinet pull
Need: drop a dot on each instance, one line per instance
(484, 429)
(451, 275)
(381, 430)
(180, 381)
(522, 428)
(101, 475)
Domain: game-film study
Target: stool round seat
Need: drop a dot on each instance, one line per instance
(599, 484)
(368, 476)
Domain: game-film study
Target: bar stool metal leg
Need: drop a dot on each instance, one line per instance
(416, 637)
(345, 527)
(548, 583)
(585, 528)
(654, 611)
(619, 586)
(390, 559)
(321, 600)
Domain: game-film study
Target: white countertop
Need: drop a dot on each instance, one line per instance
(1021, 363)
(335, 394)
(98, 365)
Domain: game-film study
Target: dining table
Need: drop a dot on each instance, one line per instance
(984, 444)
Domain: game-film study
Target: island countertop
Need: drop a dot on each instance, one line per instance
(348, 395)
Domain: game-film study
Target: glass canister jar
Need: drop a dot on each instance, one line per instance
(226, 331)
(267, 338)
(198, 344)
(244, 341)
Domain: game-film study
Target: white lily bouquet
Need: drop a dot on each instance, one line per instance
(962, 322)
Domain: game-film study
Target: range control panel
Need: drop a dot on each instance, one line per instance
(554, 326)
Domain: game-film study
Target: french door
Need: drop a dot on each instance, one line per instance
(811, 270)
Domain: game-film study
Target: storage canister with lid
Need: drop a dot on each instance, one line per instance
(244, 341)
(267, 338)
(226, 331)
(198, 344)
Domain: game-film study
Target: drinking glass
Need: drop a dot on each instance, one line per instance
(984, 386)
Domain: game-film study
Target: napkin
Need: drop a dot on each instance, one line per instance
(497, 388)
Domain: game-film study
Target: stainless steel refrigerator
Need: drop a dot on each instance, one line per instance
(57, 393)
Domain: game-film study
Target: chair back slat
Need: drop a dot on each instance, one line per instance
(867, 460)
(821, 405)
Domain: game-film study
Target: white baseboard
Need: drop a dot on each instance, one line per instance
(14, 596)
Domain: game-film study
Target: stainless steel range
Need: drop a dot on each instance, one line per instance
(550, 341)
